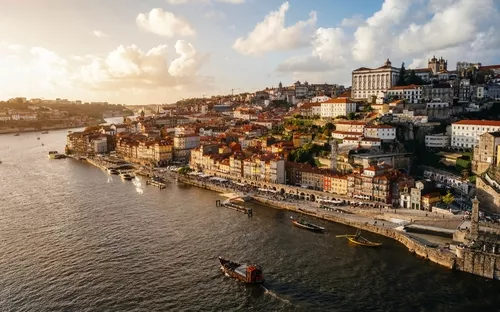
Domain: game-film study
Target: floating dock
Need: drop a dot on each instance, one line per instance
(229, 205)
(159, 184)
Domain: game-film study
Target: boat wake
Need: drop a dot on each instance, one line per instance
(138, 185)
(275, 295)
(110, 179)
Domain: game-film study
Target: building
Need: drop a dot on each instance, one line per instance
(382, 132)
(437, 65)
(335, 184)
(183, 144)
(412, 94)
(437, 140)
(368, 82)
(86, 143)
(439, 92)
(465, 133)
(485, 152)
(337, 107)
(424, 73)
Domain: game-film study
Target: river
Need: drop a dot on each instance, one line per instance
(73, 238)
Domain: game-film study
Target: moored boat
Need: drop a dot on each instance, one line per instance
(17, 134)
(247, 273)
(113, 171)
(55, 155)
(45, 132)
(126, 176)
(308, 226)
(360, 240)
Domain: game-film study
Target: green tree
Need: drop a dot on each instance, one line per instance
(185, 170)
(448, 199)
(351, 116)
(402, 76)
(412, 78)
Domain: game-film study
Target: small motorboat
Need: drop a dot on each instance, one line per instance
(113, 171)
(360, 240)
(247, 273)
(38, 138)
(43, 144)
(17, 134)
(308, 226)
(127, 176)
(45, 132)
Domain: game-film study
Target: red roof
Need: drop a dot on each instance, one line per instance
(488, 67)
(412, 86)
(337, 101)
(495, 123)
(348, 133)
(421, 70)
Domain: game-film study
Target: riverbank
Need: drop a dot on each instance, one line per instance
(482, 264)
(439, 256)
(47, 128)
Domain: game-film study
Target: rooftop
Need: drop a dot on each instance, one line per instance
(495, 123)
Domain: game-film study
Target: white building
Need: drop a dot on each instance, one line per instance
(350, 126)
(319, 99)
(382, 132)
(337, 107)
(367, 82)
(411, 93)
(437, 140)
(465, 133)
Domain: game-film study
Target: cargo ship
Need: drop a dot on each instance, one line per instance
(308, 226)
(247, 273)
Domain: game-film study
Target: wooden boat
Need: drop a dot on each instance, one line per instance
(360, 240)
(308, 226)
(17, 134)
(250, 274)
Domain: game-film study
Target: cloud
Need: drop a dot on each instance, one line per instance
(214, 14)
(272, 35)
(177, 2)
(458, 30)
(353, 21)
(99, 34)
(164, 23)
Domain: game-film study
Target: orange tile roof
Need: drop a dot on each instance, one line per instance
(495, 123)
(337, 101)
(412, 86)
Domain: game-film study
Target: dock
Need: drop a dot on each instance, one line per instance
(156, 183)
(235, 207)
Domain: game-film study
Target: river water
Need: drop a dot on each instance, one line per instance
(73, 238)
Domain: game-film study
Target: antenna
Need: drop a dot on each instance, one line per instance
(232, 91)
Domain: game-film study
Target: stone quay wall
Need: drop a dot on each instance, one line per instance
(478, 263)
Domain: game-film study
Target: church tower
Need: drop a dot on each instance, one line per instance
(474, 227)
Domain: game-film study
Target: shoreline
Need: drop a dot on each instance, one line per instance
(470, 261)
(10, 131)
(443, 258)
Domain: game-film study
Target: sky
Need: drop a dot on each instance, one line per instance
(161, 51)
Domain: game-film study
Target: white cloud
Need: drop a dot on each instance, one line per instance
(214, 14)
(232, 1)
(177, 2)
(272, 35)
(457, 30)
(99, 34)
(164, 23)
(353, 21)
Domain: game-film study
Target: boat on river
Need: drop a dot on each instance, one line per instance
(45, 132)
(247, 273)
(17, 134)
(127, 176)
(360, 240)
(55, 155)
(307, 225)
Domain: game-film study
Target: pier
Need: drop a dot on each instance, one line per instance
(229, 205)
(159, 184)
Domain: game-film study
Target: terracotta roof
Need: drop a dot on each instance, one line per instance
(337, 101)
(421, 70)
(488, 67)
(349, 122)
(478, 122)
(412, 86)
(351, 139)
(371, 139)
(346, 94)
(380, 127)
(348, 133)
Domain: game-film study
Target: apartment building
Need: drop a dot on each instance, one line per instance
(411, 93)
(337, 107)
(465, 133)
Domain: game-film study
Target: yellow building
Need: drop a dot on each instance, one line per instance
(430, 199)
